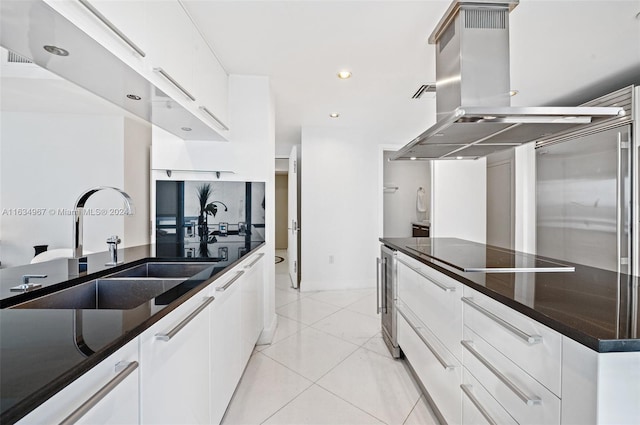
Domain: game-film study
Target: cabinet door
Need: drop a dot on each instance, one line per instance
(211, 85)
(252, 303)
(434, 298)
(126, 19)
(172, 46)
(226, 347)
(118, 406)
(175, 370)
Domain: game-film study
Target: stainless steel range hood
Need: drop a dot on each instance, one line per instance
(473, 97)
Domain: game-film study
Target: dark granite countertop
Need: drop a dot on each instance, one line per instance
(38, 356)
(595, 307)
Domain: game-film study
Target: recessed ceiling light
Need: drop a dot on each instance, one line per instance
(334, 115)
(513, 92)
(413, 158)
(459, 157)
(56, 50)
(489, 117)
(134, 97)
(185, 128)
(343, 75)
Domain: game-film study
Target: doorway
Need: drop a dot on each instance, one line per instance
(406, 197)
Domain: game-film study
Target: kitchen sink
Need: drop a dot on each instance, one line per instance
(164, 270)
(122, 290)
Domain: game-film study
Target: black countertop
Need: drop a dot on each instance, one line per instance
(595, 307)
(38, 356)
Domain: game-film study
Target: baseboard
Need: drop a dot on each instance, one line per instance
(333, 285)
(268, 332)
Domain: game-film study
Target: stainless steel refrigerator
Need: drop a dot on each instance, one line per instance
(583, 203)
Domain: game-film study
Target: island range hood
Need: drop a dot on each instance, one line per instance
(474, 116)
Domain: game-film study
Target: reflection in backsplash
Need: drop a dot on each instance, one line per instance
(209, 219)
(56, 141)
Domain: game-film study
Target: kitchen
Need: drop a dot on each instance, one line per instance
(336, 147)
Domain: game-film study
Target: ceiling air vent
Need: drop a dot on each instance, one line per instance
(425, 88)
(15, 58)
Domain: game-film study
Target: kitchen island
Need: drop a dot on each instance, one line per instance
(489, 344)
(45, 350)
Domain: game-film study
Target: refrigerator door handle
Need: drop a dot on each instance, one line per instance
(624, 158)
(378, 261)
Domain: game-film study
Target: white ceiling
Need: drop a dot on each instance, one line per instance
(561, 51)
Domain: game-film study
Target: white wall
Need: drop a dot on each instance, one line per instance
(48, 160)
(339, 209)
(137, 163)
(459, 199)
(249, 154)
(400, 205)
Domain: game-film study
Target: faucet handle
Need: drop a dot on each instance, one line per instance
(26, 286)
(115, 239)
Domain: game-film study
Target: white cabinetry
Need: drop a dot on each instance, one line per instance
(172, 47)
(429, 332)
(483, 362)
(252, 303)
(107, 394)
(236, 324)
(226, 367)
(174, 374)
(158, 39)
(434, 298)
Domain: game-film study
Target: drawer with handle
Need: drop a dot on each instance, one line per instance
(524, 398)
(438, 370)
(479, 407)
(529, 344)
(434, 298)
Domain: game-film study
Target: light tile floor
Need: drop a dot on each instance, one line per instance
(327, 364)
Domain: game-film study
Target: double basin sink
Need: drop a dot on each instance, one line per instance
(122, 290)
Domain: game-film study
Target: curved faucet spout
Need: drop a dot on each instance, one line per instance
(78, 214)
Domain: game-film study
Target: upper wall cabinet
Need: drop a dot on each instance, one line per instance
(158, 39)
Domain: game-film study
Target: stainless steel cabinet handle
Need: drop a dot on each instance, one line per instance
(529, 339)
(228, 284)
(112, 27)
(383, 294)
(466, 388)
(430, 279)
(378, 263)
(213, 117)
(254, 261)
(415, 328)
(167, 336)
(174, 82)
(77, 414)
(530, 401)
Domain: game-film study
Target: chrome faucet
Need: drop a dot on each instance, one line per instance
(113, 242)
(78, 213)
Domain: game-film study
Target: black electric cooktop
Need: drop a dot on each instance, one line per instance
(474, 257)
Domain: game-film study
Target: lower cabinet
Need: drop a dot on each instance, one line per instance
(107, 394)
(236, 324)
(174, 372)
(438, 370)
(226, 364)
(184, 369)
(484, 363)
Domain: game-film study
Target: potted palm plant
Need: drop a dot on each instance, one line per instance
(204, 192)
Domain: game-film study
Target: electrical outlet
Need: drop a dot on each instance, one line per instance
(331, 259)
